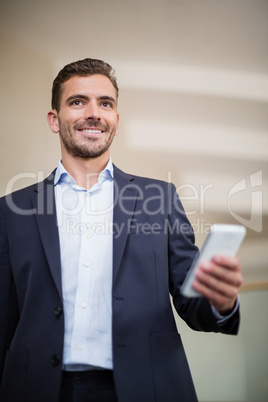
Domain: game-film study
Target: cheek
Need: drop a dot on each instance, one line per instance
(65, 131)
(70, 117)
(66, 125)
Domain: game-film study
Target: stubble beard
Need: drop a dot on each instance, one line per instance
(89, 147)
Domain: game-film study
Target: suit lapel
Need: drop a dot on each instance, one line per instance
(43, 200)
(125, 197)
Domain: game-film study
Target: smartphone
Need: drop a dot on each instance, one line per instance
(223, 239)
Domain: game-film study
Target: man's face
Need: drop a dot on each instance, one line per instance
(87, 120)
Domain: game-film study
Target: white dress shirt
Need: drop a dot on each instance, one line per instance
(85, 231)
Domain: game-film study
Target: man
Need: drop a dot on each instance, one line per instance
(87, 261)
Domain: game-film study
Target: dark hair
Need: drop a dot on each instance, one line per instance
(81, 68)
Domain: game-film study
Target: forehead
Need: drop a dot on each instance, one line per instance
(91, 86)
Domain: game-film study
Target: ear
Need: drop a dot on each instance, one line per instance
(117, 125)
(53, 121)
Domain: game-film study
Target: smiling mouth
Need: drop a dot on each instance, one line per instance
(91, 131)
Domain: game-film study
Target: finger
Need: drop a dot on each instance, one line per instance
(231, 263)
(221, 273)
(220, 301)
(214, 284)
(215, 295)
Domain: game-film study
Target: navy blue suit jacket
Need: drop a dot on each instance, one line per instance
(151, 256)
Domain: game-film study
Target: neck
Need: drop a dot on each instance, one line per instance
(85, 171)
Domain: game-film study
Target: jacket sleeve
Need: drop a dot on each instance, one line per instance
(8, 299)
(196, 312)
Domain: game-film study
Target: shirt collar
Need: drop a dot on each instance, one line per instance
(62, 176)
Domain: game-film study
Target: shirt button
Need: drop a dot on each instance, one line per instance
(68, 179)
(79, 347)
(86, 264)
(84, 305)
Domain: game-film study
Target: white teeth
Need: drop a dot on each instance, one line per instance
(91, 131)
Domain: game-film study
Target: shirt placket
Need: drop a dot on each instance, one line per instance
(85, 281)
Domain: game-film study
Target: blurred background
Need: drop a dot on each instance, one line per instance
(193, 78)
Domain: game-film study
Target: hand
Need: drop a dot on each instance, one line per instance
(219, 281)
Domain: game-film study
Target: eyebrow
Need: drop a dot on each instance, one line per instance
(109, 98)
(86, 98)
(76, 96)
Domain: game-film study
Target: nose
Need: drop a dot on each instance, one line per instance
(92, 111)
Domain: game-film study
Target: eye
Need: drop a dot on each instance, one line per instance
(76, 102)
(107, 104)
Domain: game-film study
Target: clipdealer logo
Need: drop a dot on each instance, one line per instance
(253, 186)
